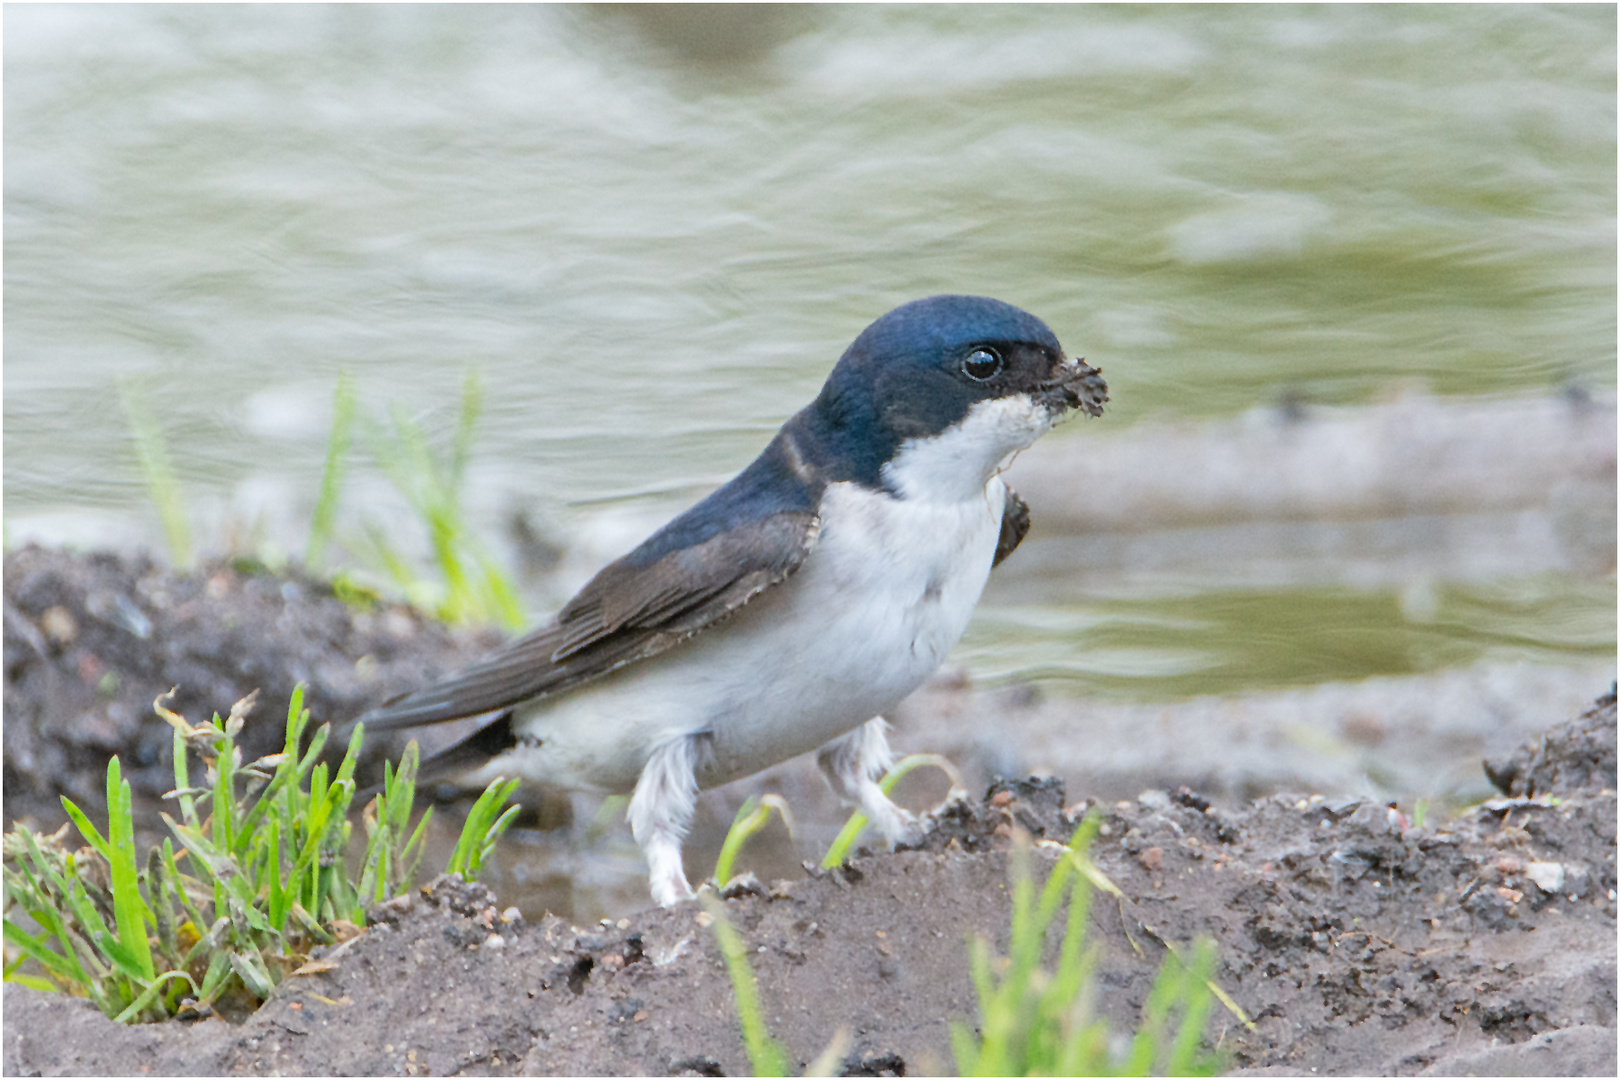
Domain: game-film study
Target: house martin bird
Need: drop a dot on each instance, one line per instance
(792, 608)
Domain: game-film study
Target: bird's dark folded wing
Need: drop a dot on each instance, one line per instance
(1014, 524)
(689, 587)
(635, 608)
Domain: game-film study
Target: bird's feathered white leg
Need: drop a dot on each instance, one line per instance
(661, 811)
(853, 764)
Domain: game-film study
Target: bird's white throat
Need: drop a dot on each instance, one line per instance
(955, 465)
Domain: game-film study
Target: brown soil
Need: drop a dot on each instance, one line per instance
(1356, 942)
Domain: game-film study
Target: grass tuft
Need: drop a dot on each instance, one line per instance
(483, 827)
(1035, 1022)
(259, 878)
(474, 588)
(1032, 1021)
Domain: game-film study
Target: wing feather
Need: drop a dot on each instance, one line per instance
(1014, 526)
(632, 610)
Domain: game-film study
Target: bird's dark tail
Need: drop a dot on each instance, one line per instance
(491, 740)
(494, 738)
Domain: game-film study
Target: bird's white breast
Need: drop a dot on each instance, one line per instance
(879, 602)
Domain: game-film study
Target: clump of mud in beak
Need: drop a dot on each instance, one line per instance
(1075, 385)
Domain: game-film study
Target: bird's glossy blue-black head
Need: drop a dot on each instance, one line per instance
(917, 371)
(913, 374)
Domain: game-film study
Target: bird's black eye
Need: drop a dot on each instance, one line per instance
(982, 365)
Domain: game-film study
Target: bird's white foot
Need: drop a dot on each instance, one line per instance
(666, 875)
(660, 811)
(853, 764)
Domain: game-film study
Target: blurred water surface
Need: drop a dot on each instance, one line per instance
(652, 231)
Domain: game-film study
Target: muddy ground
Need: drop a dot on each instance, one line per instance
(1357, 942)
(91, 639)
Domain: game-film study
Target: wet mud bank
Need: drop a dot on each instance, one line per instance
(1356, 940)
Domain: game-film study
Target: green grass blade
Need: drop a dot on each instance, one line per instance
(129, 908)
(410, 856)
(493, 833)
(764, 1054)
(965, 1048)
(499, 598)
(48, 916)
(319, 821)
(272, 858)
(217, 864)
(91, 834)
(292, 768)
(472, 404)
(163, 913)
(1013, 999)
(484, 824)
(750, 818)
(1032, 1022)
(254, 975)
(150, 994)
(279, 901)
(474, 586)
(337, 449)
(844, 842)
(1196, 1001)
(177, 891)
(224, 806)
(1151, 1035)
(67, 968)
(152, 452)
(399, 788)
(395, 565)
(182, 782)
(219, 970)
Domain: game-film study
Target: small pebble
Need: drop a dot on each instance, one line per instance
(1548, 876)
(59, 625)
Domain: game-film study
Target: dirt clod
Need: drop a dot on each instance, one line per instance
(1574, 755)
